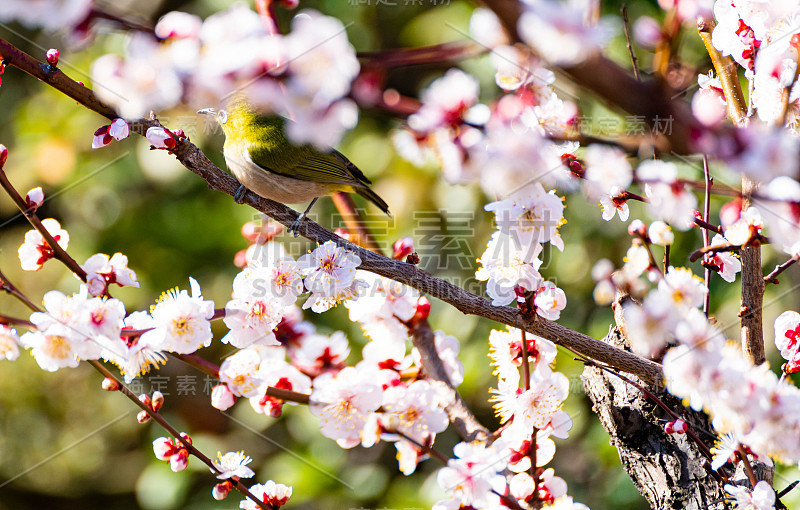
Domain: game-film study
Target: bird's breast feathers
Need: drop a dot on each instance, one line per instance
(287, 190)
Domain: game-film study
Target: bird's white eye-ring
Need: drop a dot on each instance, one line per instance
(222, 116)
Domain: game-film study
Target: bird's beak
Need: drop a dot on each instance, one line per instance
(207, 111)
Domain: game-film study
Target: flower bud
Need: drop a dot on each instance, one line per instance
(101, 137)
(158, 400)
(402, 248)
(160, 138)
(290, 4)
(423, 310)
(186, 437)
(680, 426)
(602, 270)
(221, 397)
(604, 292)
(708, 106)
(119, 129)
(95, 284)
(110, 384)
(3, 155)
(669, 428)
(144, 399)
(730, 212)
(179, 461)
(637, 228)
(52, 56)
(34, 199)
(221, 490)
(142, 417)
(647, 32)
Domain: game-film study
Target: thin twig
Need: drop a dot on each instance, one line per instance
(10, 288)
(705, 250)
(445, 52)
(706, 208)
(212, 370)
(747, 466)
(58, 252)
(352, 219)
(773, 276)
(626, 26)
(7, 319)
(169, 428)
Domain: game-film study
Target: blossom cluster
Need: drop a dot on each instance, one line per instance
(510, 263)
(305, 75)
(530, 415)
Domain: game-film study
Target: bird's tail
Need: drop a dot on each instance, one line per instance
(374, 198)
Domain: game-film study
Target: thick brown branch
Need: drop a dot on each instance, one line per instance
(653, 100)
(423, 55)
(752, 291)
(459, 414)
(726, 70)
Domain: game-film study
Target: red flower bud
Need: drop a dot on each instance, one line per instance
(158, 400)
(110, 384)
(402, 248)
(638, 228)
(34, 198)
(52, 56)
(142, 417)
(3, 155)
(423, 310)
(680, 426)
(240, 259)
(221, 490)
(145, 399)
(730, 212)
(669, 428)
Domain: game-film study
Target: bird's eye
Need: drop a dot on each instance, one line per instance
(222, 116)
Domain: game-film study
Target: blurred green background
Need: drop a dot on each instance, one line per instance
(65, 443)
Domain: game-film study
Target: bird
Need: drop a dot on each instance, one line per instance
(264, 161)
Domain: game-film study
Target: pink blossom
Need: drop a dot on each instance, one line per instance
(35, 251)
(271, 493)
(343, 404)
(563, 33)
(787, 339)
(178, 25)
(9, 343)
(222, 398)
(473, 474)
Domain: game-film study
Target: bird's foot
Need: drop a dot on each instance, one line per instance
(238, 197)
(294, 229)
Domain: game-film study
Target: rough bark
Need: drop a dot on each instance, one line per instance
(668, 470)
(752, 290)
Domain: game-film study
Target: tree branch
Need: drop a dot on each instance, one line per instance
(752, 290)
(459, 414)
(193, 159)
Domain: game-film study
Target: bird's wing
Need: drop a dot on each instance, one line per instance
(311, 165)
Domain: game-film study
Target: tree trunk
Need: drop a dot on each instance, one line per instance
(668, 469)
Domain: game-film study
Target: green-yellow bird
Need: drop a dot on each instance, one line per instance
(264, 161)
